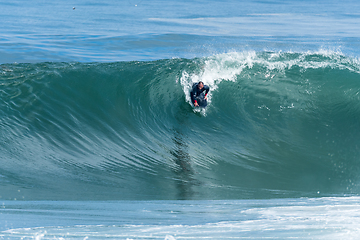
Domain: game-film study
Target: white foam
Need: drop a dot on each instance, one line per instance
(216, 69)
(304, 218)
(229, 66)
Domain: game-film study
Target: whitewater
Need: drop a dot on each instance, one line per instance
(99, 139)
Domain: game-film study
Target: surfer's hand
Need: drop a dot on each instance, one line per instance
(196, 104)
(205, 97)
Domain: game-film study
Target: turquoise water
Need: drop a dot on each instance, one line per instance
(99, 138)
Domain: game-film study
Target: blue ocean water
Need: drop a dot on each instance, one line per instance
(149, 30)
(98, 138)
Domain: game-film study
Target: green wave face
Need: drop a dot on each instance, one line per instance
(277, 125)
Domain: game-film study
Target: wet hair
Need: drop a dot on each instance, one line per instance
(201, 82)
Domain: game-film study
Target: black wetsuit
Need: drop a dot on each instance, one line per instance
(197, 95)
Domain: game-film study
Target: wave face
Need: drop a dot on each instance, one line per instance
(277, 125)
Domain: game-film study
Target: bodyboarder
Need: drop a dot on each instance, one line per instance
(198, 97)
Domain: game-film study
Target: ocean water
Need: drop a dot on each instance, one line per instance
(98, 138)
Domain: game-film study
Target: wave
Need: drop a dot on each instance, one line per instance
(278, 124)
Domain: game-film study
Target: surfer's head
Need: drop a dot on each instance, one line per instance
(200, 85)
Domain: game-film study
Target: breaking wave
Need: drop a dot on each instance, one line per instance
(278, 124)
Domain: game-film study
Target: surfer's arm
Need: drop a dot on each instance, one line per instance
(193, 95)
(193, 98)
(207, 89)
